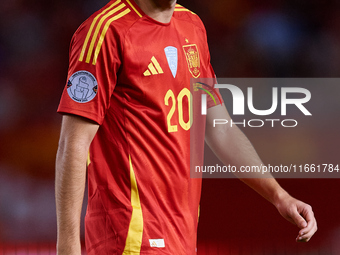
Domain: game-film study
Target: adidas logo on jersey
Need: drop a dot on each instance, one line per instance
(153, 68)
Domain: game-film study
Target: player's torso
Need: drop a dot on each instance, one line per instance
(152, 97)
(158, 62)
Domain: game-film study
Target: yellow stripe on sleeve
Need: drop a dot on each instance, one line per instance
(89, 53)
(102, 36)
(180, 8)
(183, 10)
(91, 28)
(140, 15)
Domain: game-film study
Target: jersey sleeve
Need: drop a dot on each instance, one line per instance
(215, 97)
(94, 60)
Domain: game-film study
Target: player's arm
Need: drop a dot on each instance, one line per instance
(75, 139)
(231, 146)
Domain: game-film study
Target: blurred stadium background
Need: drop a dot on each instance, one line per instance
(263, 38)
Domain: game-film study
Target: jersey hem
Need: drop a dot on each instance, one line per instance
(87, 115)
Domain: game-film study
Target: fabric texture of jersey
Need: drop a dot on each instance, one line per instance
(131, 75)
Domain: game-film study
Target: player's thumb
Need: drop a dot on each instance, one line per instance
(299, 220)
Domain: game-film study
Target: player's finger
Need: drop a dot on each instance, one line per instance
(305, 237)
(306, 233)
(299, 220)
(311, 228)
(308, 215)
(306, 212)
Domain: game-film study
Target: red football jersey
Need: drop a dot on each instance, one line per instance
(131, 74)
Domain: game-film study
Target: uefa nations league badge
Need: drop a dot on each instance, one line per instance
(82, 87)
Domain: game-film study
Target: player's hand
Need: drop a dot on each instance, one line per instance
(300, 214)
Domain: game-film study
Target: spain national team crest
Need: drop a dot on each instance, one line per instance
(193, 59)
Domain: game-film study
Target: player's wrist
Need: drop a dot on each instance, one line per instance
(279, 197)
